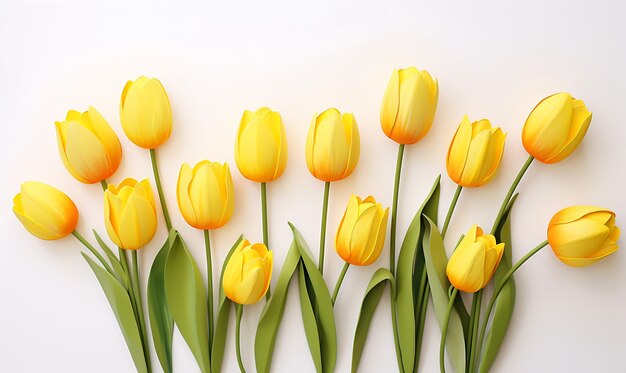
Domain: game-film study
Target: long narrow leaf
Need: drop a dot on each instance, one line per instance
(120, 274)
(373, 293)
(309, 319)
(120, 304)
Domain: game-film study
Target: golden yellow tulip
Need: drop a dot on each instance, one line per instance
(205, 194)
(409, 105)
(261, 146)
(89, 148)
(333, 145)
(248, 273)
(475, 153)
(582, 235)
(130, 213)
(45, 211)
(361, 233)
(555, 127)
(474, 261)
(145, 112)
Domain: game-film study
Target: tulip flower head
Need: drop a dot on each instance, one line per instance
(409, 105)
(130, 213)
(145, 112)
(474, 261)
(261, 145)
(89, 148)
(205, 194)
(45, 211)
(361, 233)
(248, 273)
(555, 127)
(582, 235)
(475, 153)
(333, 145)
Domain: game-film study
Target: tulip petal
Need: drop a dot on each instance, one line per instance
(476, 159)
(138, 223)
(250, 290)
(354, 142)
(391, 104)
(342, 240)
(546, 130)
(466, 268)
(381, 233)
(457, 152)
(109, 139)
(572, 213)
(363, 236)
(86, 153)
(577, 239)
(581, 119)
(182, 195)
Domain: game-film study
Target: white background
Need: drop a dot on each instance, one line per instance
(492, 60)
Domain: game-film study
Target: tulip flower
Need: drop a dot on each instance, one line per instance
(475, 153)
(130, 213)
(474, 261)
(89, 148)
(583, 235)
(248, 273)
(45, 212)
(555, 127)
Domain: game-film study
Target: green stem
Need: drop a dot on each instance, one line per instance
(104, 185)
(157, 180)
(476, 307)
(340, 281)
(93, 250)
(209, 271)
(136, 285)
(266, 238)
(123, 260)
(444, 331)
(455, 199)
(500, 286)
(239, 311)
(323, 227)
(394, 211)
(509, 194)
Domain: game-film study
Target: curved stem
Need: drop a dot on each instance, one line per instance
(266, 238)
(509, 194)
(476, 307)
(339, 282)
(500, 286)
(323, 227)
(444, 331)
(93, 250)
(455, 199)
(157, 180)
(104, 185)
(239, 311)
(394, 211)
(142, 321)
(209, 271)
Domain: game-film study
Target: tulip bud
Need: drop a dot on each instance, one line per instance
(361, 234)
(475, 153)
(582, 235)
(45, 211)
(333, 145)
(248, 273)
(89, 148)
(555, 127)
(261, 146)
(474, 261)
(205, 194)
(409, 105)
(145, 112)
(130, 213)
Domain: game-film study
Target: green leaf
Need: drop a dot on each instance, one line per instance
(161, 321)
(410, 267)
(325, 318)
(223, 313)
(505, 303)
(122, 308)
(309, 319)
(272, 313)
(436, 262)
(186, 300)
(118, 270)
(373, 293)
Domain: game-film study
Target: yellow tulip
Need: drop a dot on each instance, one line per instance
(474, 261)
(333, 145)
(555, 127)
(45, 211)
(89, 148)
(145, 112)
(475, 153)
(361, 234)
(409, 105)
(261, 146)
(248, 273)
(130, 213)
(205, 194)
(582, 235)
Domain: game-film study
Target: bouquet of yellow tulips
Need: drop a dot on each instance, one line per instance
(420, 273)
